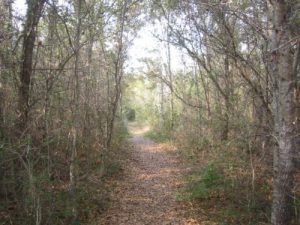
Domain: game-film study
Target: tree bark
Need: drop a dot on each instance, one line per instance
(5, 61)
(169, 68)
(76, 112)
(118, 71)
(33, 15)
(284, 113)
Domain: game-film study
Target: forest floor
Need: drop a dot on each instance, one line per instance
(146, 193)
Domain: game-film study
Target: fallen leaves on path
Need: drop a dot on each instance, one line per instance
(146, 195)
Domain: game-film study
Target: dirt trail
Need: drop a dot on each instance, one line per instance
(146, 194)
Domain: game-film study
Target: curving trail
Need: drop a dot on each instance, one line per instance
(146, 195)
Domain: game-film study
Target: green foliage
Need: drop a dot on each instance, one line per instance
(112, 168)
(223, 189)
(157, 135)
(296, 206)
(121, 133)
(2, 151)
(206, 184)
(138, 99)
(211, 176)
(130, 114)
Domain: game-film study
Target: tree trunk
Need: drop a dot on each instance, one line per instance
(161, 104)
(284, 112)
(118, 73)
(76, 113)
(6, 38)
(33, 15)
(227, 88)
(169, 69)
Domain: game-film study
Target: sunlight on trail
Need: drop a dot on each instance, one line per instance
(147, 194)
(137, 129)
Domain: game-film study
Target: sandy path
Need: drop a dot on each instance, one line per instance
(147, 192)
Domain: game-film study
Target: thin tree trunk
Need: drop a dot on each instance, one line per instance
(118, 73)
(198, 97)
(161, 104)
(225, 131)
(169, 69)
(76, 113)
(48, 85)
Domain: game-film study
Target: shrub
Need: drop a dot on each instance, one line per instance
(206, 184)
(130, 114)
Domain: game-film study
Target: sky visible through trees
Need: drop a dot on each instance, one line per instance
(144, 44)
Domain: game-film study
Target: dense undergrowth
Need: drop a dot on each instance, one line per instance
(94, 169)
(229, 182)
(227, 193)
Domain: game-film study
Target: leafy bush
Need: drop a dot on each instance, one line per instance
(112, 168)
(121, 134)
(157, 135)
(130, 114)
(206, 184)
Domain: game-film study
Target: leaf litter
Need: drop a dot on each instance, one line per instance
(146, 194)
